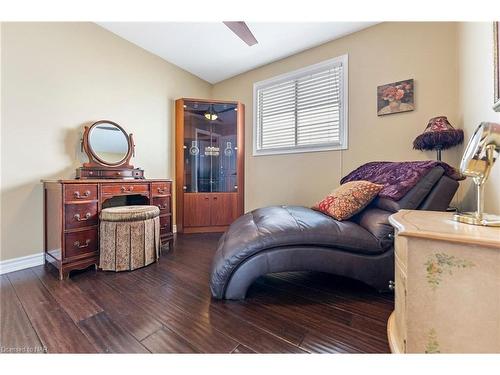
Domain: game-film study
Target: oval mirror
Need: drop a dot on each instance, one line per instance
(108, 142)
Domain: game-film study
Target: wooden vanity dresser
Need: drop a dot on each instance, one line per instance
(71, 215)
(72, 207)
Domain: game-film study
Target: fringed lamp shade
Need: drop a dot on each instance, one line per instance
(438, 135)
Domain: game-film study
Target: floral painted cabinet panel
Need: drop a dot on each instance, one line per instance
(451, 286)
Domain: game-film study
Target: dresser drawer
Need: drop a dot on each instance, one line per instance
(163, 203)
(122, 189)
(77, 192)
(84, 173)
(78, 244)
(161, 188)
(117, 174)
(81, 215)
(165, 224)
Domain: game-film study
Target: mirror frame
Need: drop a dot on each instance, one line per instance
(96, 161)
(496, 65)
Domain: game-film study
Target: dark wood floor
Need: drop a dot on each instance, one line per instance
(167, 308)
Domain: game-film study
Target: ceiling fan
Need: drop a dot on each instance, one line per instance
(241, 29)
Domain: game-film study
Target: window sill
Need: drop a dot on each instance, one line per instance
(299, 150)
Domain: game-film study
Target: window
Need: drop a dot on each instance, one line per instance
(302, 111)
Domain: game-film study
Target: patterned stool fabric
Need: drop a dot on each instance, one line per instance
(129, 237)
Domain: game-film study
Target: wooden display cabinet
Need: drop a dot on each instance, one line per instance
(209, 164)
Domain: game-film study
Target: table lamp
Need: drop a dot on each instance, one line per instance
(438, 135)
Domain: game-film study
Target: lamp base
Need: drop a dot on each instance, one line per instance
(486, 220)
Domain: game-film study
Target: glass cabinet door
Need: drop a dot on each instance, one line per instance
(210, 157)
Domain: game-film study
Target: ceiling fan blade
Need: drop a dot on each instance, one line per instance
(241, 29)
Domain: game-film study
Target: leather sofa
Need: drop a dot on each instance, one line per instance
(294, 238)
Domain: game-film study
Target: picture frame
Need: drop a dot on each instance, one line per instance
(396, 97)
(496, 65)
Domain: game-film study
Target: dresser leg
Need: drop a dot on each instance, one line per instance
(166, 246)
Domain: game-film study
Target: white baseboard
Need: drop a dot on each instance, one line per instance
(16, 264)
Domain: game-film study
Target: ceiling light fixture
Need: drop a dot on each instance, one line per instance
(211, 116)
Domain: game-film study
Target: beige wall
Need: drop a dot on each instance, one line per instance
(475, 41)
(58, 77)
(381, 54)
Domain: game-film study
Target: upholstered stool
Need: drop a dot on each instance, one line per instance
(129, 237)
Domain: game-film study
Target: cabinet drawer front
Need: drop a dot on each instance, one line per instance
(163, 203)
(161, 188)
(80, 243)
(197, 209)
(81, 215)
(165, 224)
(117, 174)
(223, 208)
(77, 192)
(117, 189)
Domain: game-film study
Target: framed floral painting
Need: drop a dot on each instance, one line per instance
(395, 97)
(496, 65)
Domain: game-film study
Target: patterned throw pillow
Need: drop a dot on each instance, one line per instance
(348, 199)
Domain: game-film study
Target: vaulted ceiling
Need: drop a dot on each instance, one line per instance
(214, 53)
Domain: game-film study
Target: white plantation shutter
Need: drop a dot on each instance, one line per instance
(302, 111)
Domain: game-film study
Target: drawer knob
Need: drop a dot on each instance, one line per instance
(162, 190)
(392, 285)
(124, 189)
(80, 246)
(85, 218)
(162, 207)
(77, 194)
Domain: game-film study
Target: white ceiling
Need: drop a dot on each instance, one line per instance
(213, 52)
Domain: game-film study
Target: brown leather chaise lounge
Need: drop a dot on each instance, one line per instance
(293, 238)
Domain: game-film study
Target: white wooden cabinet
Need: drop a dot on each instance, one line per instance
(447, 285)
